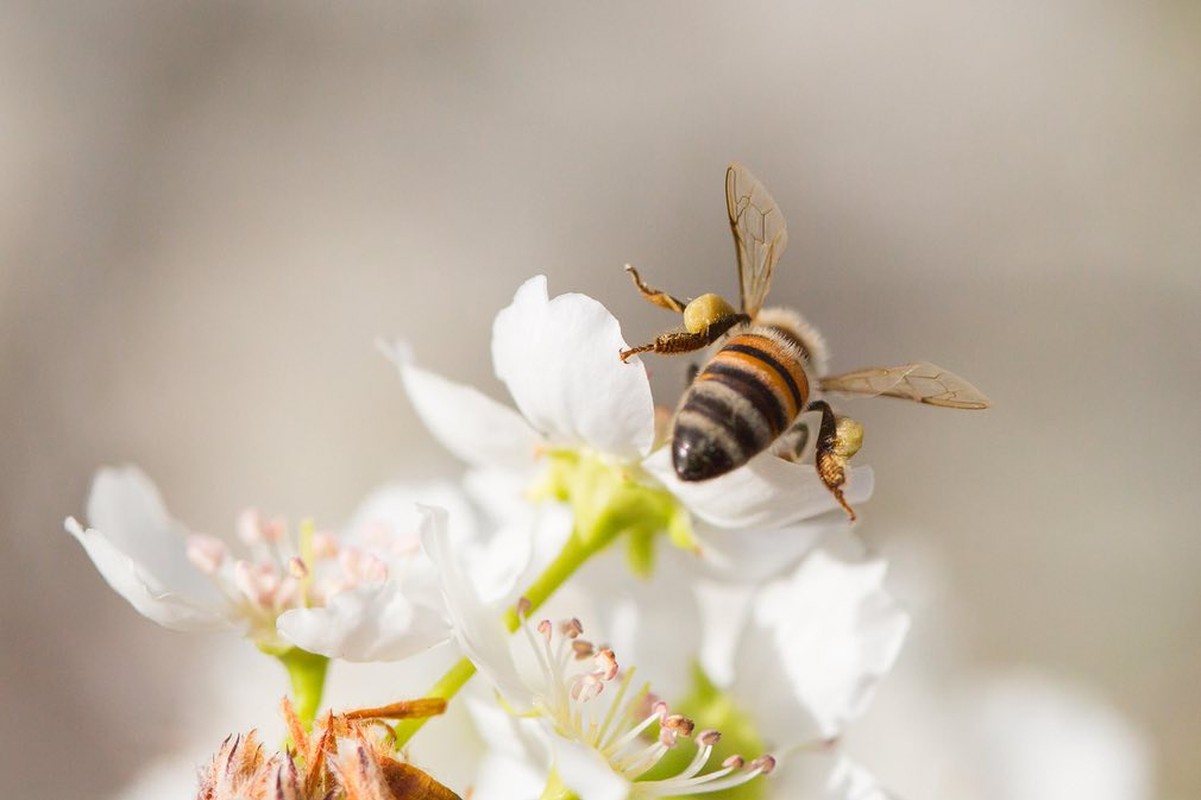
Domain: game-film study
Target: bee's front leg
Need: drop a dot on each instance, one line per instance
(677, 341)
(838, 439)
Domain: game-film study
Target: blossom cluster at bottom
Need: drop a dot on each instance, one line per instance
(734, 649)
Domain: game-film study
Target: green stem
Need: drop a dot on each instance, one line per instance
(307, 673)
(570, 558)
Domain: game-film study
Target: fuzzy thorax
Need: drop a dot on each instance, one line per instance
(791, 325)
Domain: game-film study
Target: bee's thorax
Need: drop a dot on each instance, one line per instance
(792, 327)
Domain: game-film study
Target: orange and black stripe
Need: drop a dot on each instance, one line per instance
(749, 393)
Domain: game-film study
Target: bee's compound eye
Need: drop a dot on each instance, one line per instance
(697, 457)
(706, 310)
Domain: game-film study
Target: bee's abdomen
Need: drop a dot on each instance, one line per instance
(749, 393)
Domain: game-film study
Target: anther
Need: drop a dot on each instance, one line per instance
(206, 553)
(275, 530)
(544, 628)
(708, 737)
(734, 762)
(524, 607)
(250, 527)
(297, 568)
(582, 649)
(606, 661)
(572, 628)
(765, 764)
(325, 545)
(679, 723)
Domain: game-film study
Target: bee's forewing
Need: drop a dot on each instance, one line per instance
(759, 234)
(919, 381)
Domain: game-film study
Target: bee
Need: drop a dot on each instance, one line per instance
(770, 367)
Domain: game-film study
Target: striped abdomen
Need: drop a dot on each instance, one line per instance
(749, 393)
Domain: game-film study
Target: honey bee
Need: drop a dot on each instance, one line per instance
(770, 367)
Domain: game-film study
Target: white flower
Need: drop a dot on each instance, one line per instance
(580, 405)
(800, 658)
(368, 595)
(585, 722)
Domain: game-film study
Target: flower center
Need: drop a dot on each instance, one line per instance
(709, 705)
(282, 571)
(609, 499)
(587, 698)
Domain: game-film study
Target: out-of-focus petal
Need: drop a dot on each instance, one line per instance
(389, 517)
(586, 773)
(826, 776)
(755, 555)
(144, 591)
(142, 553)
(372, 622)
(835, 633)
(725, 608)
(849, 781)
(468, 423)
(476, 626)
(559, 359)
(517, 759)
(1031, 737)
(769, 492)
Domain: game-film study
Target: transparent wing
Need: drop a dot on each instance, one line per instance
(759, 234)
(920, 381)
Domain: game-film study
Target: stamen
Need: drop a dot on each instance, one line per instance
(325, 545)
(207, 553)
(524, 606)
(275, 530)
(583, 649)
(250, 527)
(297, 568)
(765, 764)
(679, 724)
(606, 662)
(572, 628)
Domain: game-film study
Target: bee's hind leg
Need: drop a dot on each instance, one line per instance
(838, 438)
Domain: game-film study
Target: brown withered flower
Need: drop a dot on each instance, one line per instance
(346, 757)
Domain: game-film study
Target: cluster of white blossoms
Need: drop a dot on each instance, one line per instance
(737, 647)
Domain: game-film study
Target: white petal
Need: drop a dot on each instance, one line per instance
(503, 777)
(390, 514)
(1034, 738)
(477, 627)
(373, 622)
(651, 623)
(725, 609)
(834, 632)
(754, 555)
(468, 423)
(517, 763)
(586, 773)
(560, 361)
(849, 781)
(766, 493)
(141, 552)
(519, 552)
(825, 777)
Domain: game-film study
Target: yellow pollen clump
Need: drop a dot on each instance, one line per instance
(704, 311)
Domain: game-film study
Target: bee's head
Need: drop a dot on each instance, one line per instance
(793, 325)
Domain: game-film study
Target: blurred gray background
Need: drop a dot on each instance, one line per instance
(208, 213)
